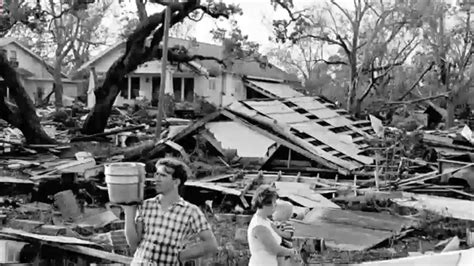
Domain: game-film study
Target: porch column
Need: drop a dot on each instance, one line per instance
(169, 83)
(182, 89)
(90, 91)
(129, 88)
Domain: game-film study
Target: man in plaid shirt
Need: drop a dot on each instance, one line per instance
(158, 228)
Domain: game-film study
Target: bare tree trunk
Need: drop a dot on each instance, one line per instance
(141, 10)
(351, 93)
(24, 117)
(58, 84)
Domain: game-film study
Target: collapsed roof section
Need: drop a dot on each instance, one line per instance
(307, 126)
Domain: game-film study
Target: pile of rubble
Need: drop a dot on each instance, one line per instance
(362, 191)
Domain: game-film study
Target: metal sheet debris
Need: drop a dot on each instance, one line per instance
(341, 236)
(453, 258)
(448, 207)
(301, 193)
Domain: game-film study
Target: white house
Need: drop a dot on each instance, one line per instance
(35, 74)
(204, 79)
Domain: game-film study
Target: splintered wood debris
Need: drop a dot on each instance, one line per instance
(356, 185)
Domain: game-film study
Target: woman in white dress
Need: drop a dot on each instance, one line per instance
(264, 242)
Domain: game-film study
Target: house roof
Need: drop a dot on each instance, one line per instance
(24, 72)
(101, 55)
(273, 89)
(240, 67)
(8, 40)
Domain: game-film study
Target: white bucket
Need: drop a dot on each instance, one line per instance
(125, 182)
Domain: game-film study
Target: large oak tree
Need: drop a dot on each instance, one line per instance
(144, 45)
(22, 114)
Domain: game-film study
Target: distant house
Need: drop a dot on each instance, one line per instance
(35, 74)
(206, 80)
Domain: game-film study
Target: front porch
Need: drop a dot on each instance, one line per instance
(144, 84)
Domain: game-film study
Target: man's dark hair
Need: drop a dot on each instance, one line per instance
(180, 170)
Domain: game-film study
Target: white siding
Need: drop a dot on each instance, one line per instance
(27, 61)
(233, 88)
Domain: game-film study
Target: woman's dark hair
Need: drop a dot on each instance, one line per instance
(264, 195)
(180, 170)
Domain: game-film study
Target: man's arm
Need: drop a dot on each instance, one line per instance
(133, 230)
(199, 225)
(208, 245)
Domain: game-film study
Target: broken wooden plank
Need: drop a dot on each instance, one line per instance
(429, 175)
(435, 140)
(13, 180)
(214, 187)
(175, 146)
(54, 239)
(188, 130)
(104, 134)
(98, 220)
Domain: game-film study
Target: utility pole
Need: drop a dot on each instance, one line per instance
(445, 65)
(164, 63)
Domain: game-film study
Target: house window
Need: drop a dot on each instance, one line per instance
(132, 91)
(183, 89)
(212, 83)
(12, 55)
(177, 89)
(189, 90)
(155, 85)
(135, 89)
(224, 85)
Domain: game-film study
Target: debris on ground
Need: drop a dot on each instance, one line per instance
(362, 191)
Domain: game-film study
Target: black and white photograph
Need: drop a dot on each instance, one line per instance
(236, 132)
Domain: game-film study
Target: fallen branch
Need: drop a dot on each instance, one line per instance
(421, 99)
(90, 137)
(429, 176)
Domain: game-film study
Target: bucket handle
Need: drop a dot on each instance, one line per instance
(141, 179)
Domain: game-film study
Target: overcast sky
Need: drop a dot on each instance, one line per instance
(255, 21)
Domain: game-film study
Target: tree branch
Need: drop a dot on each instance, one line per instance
(417, 81)
(421, 99)
(294, 16)
(331, 62)
(185, 58)
(348, 16)
(321, 38)
(81, 40)
(385, 67)
(207, 11)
